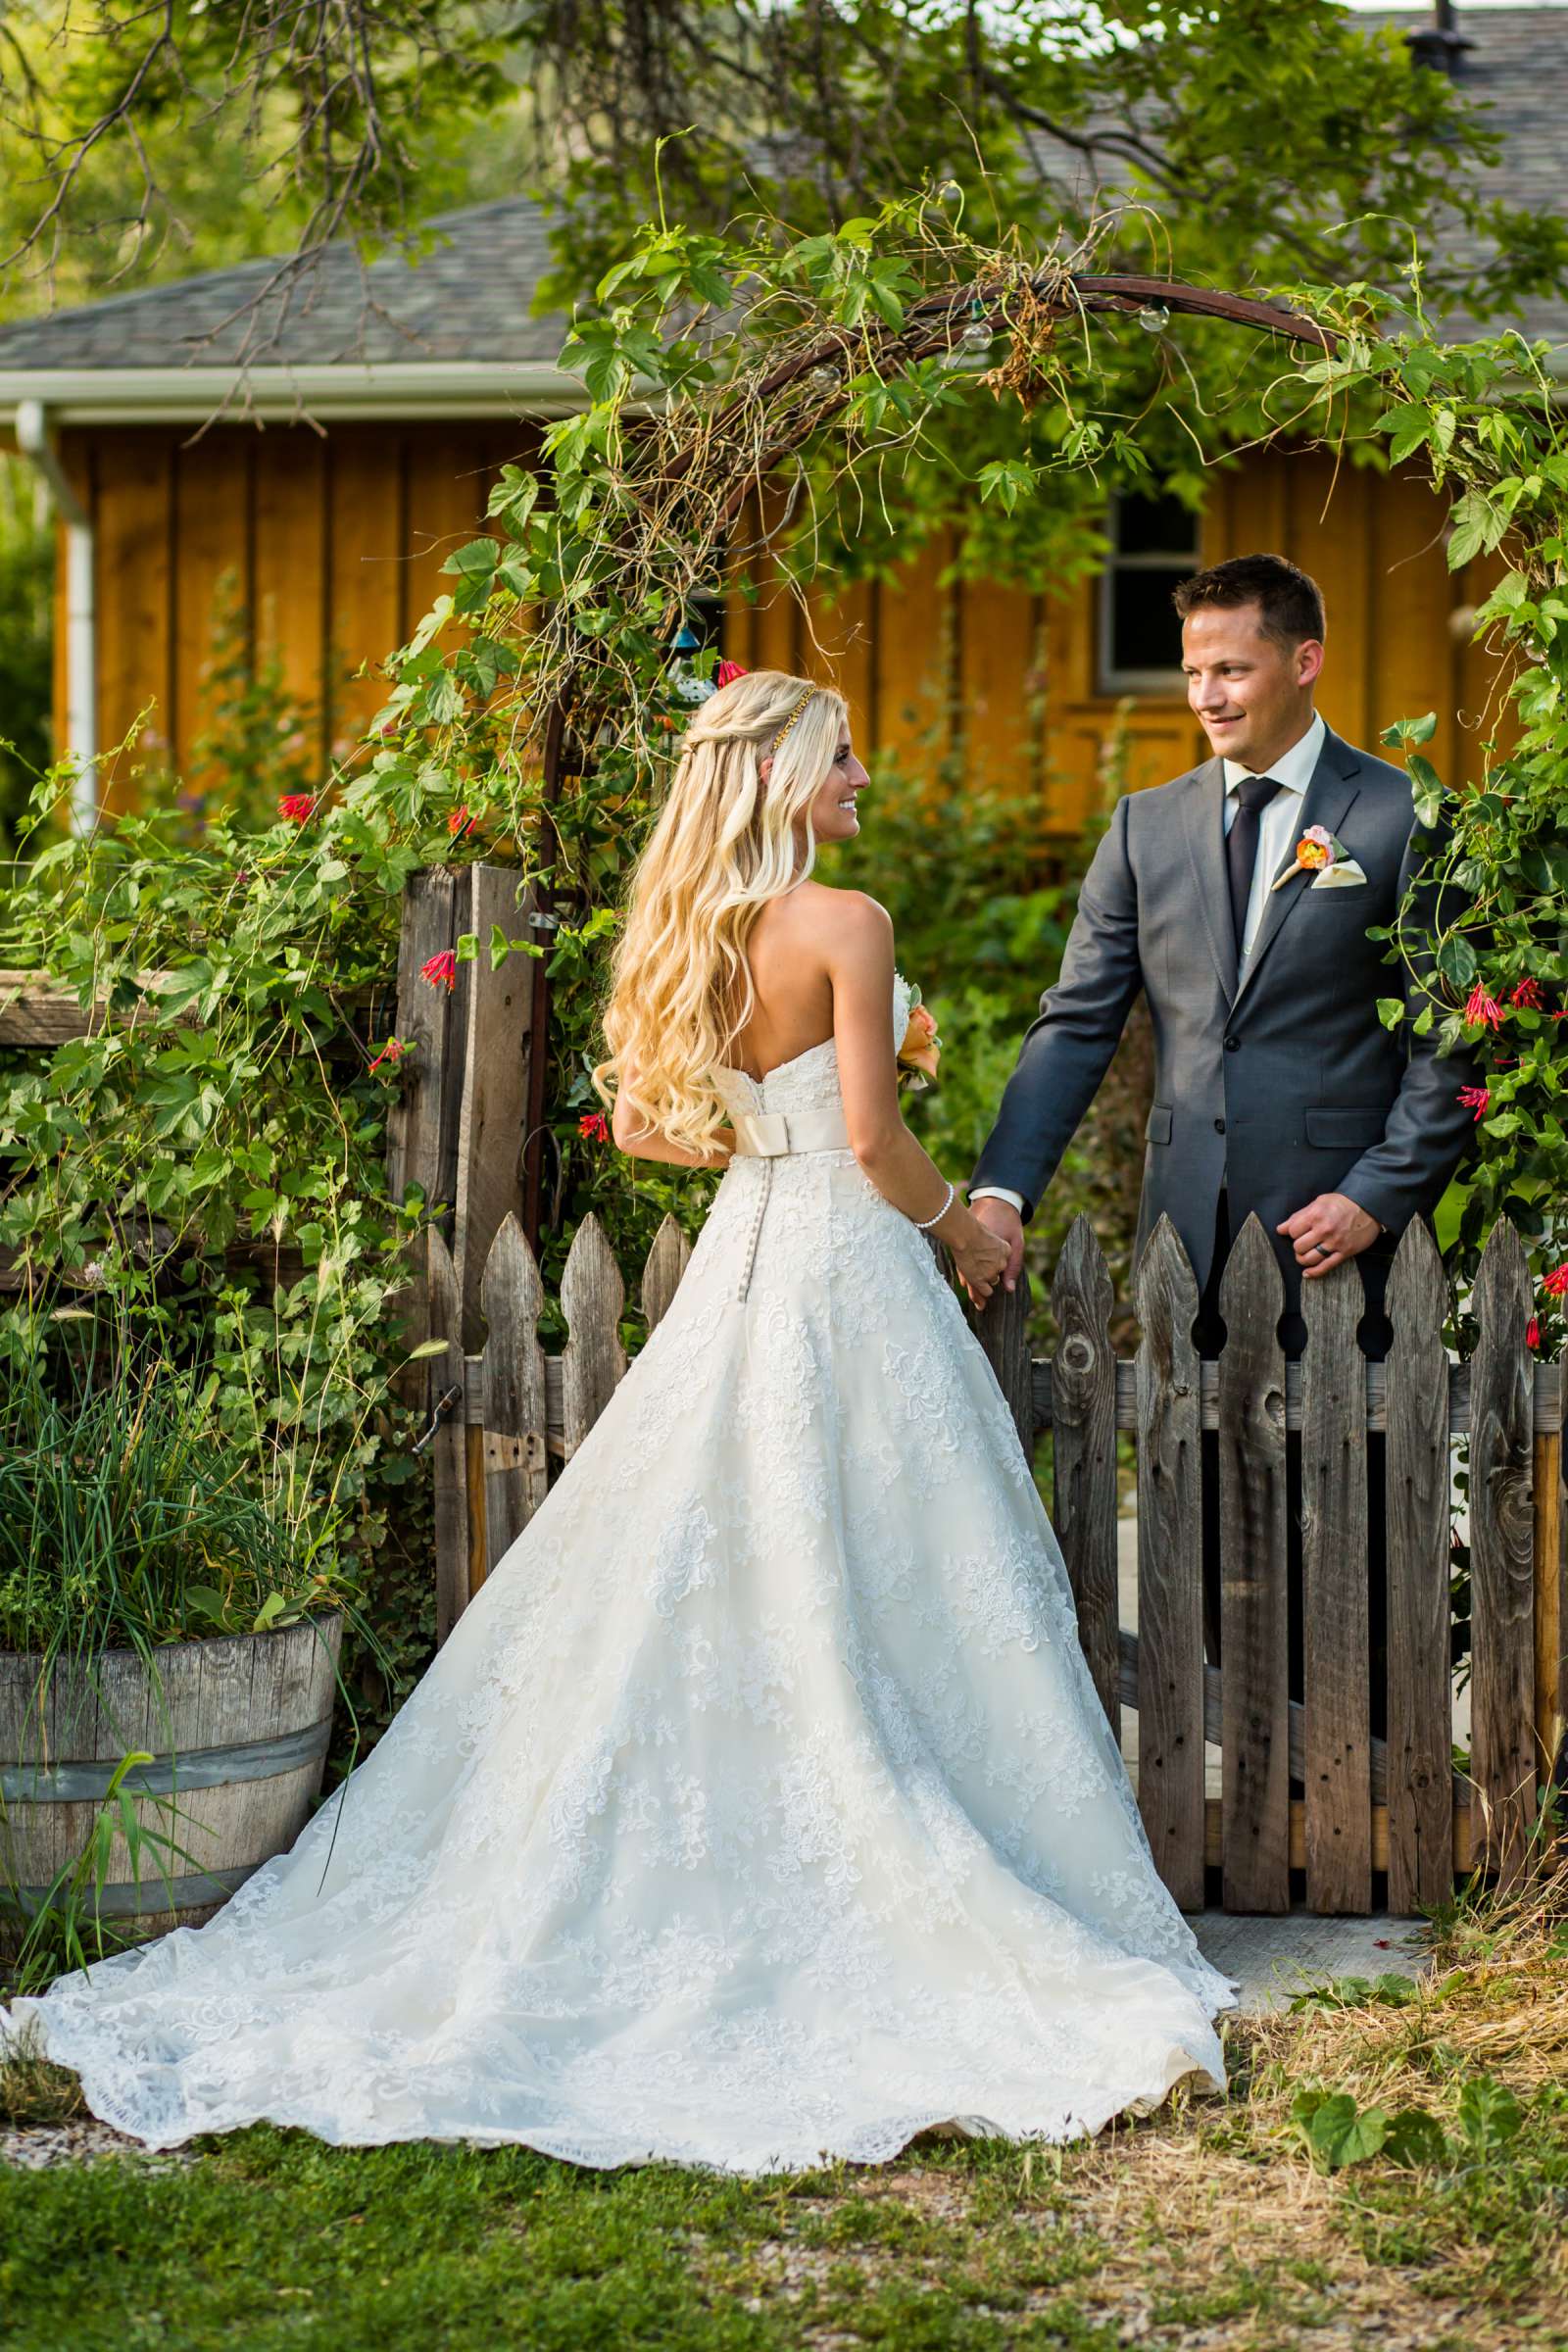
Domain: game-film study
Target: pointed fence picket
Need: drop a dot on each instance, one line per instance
(505, 1415)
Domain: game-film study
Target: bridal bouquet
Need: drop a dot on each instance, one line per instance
(921, 1049)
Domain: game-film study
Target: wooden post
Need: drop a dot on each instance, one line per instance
(514, 1435)
(421, 1136)
(1001, 1328)
(1252, 1578)
(1083, 1406)
(492, 1084)
(1420, 1741)
(668, 1261)
(1168, 1689)
(1552, 1601)
(456, 1129)
(1338, 1777)
(553, 772)
(444, 1375)
(1503, 1594)
(592, 1295)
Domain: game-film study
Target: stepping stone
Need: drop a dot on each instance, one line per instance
(1275, 1957)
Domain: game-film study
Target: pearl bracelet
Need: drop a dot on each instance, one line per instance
(923, 1225)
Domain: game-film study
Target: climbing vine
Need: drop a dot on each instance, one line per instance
(744, 395)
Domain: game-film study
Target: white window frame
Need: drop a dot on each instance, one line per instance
(1109, 681)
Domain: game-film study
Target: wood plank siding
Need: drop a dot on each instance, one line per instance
(333, 543)
(1010, 680)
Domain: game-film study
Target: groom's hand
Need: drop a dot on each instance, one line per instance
(1326, 1232)
(1002, 1220)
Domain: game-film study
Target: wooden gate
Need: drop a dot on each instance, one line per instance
(503, 1415)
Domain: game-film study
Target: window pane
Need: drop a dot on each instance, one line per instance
(1156, 526)
(1144, 632)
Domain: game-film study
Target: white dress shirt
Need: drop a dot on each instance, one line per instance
(1278, 832)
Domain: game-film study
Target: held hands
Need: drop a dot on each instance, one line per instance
(995, 1250)
(1326, 1232)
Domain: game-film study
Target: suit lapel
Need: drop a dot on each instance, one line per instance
(1203, 815)
(1326, 799)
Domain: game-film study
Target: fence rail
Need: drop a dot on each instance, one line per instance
(506, 1412)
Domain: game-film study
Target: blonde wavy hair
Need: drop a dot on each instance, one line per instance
(723, 846)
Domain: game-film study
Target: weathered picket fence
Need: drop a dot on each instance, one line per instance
(504, 1414)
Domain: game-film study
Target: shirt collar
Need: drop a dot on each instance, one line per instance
(1292, 769)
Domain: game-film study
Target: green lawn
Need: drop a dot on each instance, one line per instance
(1210, 2225)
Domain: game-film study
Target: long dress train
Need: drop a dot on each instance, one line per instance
(759, 1811)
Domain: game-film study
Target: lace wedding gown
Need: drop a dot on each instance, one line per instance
(759, 1809)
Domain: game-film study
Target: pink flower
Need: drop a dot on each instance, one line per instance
(392, 1052)
(1555, 1283)
(1476, 1099)
(296, 806)
(1532, 1334)
(1481, 1011)
(594, 1126)
(1525, 992)
(459, 820)
(437, 968)
(727, 672)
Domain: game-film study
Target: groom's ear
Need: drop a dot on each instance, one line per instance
(1309, 661)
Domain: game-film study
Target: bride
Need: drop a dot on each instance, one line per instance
(760, 1810)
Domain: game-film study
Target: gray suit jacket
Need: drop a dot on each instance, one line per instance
(1281, 1088)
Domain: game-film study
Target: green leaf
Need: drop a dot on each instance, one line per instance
(1407, 428)
(477, 561)
(1456, 962)
(1489, 2113)
(1415, 2138)
(1390, 1012)
(1338, 2132)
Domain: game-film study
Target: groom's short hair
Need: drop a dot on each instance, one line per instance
(1289, 601)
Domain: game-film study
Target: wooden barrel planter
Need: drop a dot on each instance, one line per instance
(238, 1727)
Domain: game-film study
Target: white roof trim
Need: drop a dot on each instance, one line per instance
(290, 394)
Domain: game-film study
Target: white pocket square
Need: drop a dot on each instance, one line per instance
(1343, 874)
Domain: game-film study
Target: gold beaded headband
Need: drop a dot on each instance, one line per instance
(790, 721)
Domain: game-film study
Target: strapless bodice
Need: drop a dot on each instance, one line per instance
(808, 1081)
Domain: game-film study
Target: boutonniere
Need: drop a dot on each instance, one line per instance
(1322, 855)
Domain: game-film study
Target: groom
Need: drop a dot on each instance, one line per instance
(1277, 1089)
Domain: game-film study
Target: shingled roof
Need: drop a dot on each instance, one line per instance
(1517, 68)
(461, 318)
(468, 298)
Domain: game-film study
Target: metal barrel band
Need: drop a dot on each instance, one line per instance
(125, 1899)
(76, 1783)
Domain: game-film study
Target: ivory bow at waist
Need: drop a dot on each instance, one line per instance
(772, 1134)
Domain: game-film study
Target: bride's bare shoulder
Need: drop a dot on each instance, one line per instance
(823, 914)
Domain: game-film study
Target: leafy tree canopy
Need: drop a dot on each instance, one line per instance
(1260, 143)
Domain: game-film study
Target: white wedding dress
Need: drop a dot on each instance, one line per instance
(759, 1811)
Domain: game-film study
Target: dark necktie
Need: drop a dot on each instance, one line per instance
(1252, 796)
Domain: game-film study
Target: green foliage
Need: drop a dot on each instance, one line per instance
(135, 148)
(1338, 2132)
(1148, 132)
(27, 580)
(1488, 921)
(130, 1516)
(205, 1167)
(263, 741)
